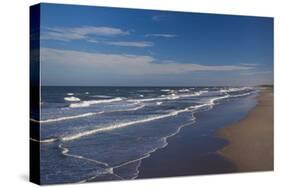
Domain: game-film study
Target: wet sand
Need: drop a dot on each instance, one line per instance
(250, 145)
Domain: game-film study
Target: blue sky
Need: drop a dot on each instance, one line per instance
(98, 46)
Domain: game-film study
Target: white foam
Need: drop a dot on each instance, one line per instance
(102, 96)
(234, 89)
(172, 96)
(242, 95)
(72, 99)
(121, 125)
(199, 93)
(148, 154)
(86, 93)
(125, 124)
(166, 90)
(65, 151)
(91, 102)
(146, 100)
(70, 94)
(70, 117)
(159, 103)
(88, 114)
(212, 101)
(184, 90)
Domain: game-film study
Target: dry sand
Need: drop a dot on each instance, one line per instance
(251, 139)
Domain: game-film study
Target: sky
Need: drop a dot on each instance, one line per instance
(98, 46)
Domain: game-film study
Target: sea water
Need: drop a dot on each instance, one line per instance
(103, 133)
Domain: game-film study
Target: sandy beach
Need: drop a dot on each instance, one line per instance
(250, 145)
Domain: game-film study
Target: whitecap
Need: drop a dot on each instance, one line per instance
(166, 90)
(70, 117)
(122, 125)
(72, 99)
(184, 90)
(91, 102)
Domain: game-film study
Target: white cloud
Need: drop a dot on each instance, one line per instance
(138, 44)
(124, 64)
(161, 35)
(78, 33)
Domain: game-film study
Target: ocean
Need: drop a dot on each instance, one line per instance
(104, 133)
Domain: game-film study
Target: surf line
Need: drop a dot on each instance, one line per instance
(146, 155)
(87, 114)
(107, 169)
(126, 124)
(65, 151)
(67, 117)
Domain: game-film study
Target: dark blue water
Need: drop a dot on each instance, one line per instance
(103, 133)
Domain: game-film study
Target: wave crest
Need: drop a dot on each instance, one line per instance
(91, 102)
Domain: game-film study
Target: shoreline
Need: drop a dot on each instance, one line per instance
(250, 145)
(194, 150)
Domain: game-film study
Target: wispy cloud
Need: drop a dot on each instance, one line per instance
(161, 35)
(138, 44)
(78, 33)
(158, 17)
(90, 34)
(256, 72)
(125, 64)
(249, 64)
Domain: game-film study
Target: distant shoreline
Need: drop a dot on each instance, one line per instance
(157, 86)
(250, 145)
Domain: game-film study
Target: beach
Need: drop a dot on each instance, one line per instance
(250, 145)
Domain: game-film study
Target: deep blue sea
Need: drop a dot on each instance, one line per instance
(93, 132)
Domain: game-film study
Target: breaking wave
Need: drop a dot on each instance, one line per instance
(91, 102)
(72, 99)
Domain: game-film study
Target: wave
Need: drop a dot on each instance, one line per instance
(172, 96)
(244, 94)
(102, 96)
(65, 151)
(126, 124)
(72, 99)
(70, 117)
(70, 94)
(143, 156)
(121, 125)
(198, 93)
(87, 114)
(166, 90)
(183, 90)
(145, 90)
(91, 102)
(211, 102)
(234, 89)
